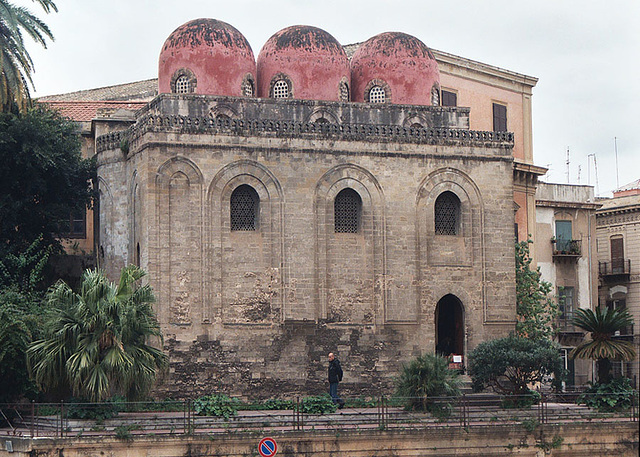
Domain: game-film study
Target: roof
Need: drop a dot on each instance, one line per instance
(85, 111)
(139, 91)
(622, 204)
(631, 186)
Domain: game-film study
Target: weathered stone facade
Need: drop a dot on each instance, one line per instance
(256, 311)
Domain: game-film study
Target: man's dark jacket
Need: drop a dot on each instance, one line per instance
(335, 371)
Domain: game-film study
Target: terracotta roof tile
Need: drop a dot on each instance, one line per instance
(85, 111)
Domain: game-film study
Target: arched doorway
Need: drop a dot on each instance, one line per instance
(449, 326)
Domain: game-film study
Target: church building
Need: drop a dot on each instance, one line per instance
(360, 200)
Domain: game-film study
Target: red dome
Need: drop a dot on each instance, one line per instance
(214, 56)
(310, 60)
(399, 63)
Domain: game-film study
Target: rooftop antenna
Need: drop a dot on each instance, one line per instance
(615, 146)
(595, 167)
(568, 162)
(579, 170)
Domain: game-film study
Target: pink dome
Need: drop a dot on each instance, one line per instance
(214, 56)
(401, 64)
(311, 61)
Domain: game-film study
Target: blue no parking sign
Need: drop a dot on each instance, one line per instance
(267, 447)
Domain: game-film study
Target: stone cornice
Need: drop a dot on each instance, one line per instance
(571, 205)
(285, 129)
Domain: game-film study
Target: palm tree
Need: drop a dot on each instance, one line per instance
(16, 65)
(97, 341)
(602, 347)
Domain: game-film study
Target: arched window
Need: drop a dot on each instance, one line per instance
(247, 87)
(347, 210)
(344, 91)
(447, 214)
(377, 95)
(182, 85)
(244, 209)
(281, 89)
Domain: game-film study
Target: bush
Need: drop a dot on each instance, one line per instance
(612, 396)
(217, 406)
(519, 361)
(522, 401)
(94, 411)
(277, 404)
(425, 377)
(319, 404)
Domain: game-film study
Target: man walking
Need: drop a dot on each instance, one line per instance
(335, 376)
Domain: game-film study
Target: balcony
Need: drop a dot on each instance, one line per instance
(567, 248)
(616, 270)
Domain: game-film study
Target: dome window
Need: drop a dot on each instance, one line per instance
(377, 95)
(281, 89)
(183, 82)
(182, 85)
(344, 91)
(248, 87)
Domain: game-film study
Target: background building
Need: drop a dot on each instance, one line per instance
(567, 258)
(618, 232)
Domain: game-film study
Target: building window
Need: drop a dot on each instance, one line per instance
(435, 95)
(281, 89)
(565, 303)
(377, 95)
(248, 87)
(182, 85)
(183, 81)
(75, 226)
(344, 91)
(563, 236)
(347, 211)
(449, 98)
(617, 254)
(447, 214)
(499, 118)
(244, 209)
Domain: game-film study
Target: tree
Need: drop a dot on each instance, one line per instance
(43, 178)
(602, 347)
(96, 342)
(425, 377)
(21, 293)
(535, 308)
(521, 361)
(16, 65)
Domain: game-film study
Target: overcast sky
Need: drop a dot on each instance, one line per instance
(585, 53)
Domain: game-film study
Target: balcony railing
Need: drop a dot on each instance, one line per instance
(567, 248)
(615, 267)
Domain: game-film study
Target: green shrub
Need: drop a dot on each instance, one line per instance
(277, 404)
(94, 411)
(521, 401)
(319, 404)
(511, 364)
(217, 406)
(425, 377)
(612, 396)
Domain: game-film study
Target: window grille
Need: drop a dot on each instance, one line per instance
(376, 95)
(447, 214)
(281, 89)
(347, 209)
(344, 92)
(247, 88)
(244, 209)
(182, 85)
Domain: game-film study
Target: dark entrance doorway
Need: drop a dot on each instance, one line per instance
(449, 326)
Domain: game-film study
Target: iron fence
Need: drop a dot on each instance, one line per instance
(127, 420)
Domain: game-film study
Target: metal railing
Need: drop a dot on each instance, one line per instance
(62, 420)
(615, 267)
(570, 248)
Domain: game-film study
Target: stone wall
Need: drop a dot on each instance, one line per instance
(255, 312)
(579, 440)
